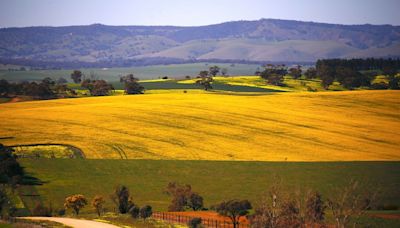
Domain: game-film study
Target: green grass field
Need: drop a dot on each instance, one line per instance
(214, 180)
(142, 72)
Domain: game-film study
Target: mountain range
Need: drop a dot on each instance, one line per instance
(261, 40)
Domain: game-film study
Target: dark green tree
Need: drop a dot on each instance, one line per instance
(311, 73)
(195, 201)
(97, 87)
(205, 80)
(131, 84)
(394, 82)
(295, 72)
(326, 74)
(146, 212)
(10, 170)
(121, 198)
(234, 209)
(273, 74)
(134, 211)
(214, 70)
(76, 76)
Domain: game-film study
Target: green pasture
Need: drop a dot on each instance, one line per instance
(214, 180)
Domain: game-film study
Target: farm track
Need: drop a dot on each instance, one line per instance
(75, 223)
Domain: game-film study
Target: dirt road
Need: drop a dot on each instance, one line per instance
(76, 223)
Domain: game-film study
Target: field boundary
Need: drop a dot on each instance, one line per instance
(206, 222)
(78, 153)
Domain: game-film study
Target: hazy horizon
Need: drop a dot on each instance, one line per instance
(27, 13)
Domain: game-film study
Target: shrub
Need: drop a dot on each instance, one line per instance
(146, 212)
(380, 85)
(194, 222)
(134, 211)
(75, 202)
(98, 203)
(61, 212)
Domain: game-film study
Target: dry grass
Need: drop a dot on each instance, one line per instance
(328, 126)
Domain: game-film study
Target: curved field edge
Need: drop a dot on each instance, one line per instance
(214, 180)
(47, 151)
(328, 126)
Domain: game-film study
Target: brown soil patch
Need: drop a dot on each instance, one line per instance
(386, 216)
(205, 215)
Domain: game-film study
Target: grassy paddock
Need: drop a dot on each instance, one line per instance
(215, 180)
(143, 72)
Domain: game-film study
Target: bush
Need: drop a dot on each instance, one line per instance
(194, 222)
(134, 211)
(146, 212)
(380, 85)
(61, 212)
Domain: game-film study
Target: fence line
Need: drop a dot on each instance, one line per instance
(206, 222)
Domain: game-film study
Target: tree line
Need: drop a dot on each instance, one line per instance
(350, 73)
(51, 89)
(45, 89)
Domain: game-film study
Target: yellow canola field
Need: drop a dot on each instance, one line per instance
(326, 126)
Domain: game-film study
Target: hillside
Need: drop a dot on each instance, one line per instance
(323, 126)
(214, 180)
(262, 40)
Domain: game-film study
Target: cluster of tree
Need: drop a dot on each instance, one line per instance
(124, 202)
(367, 64)
(183, 198)
(278, 210)
(205, 78)
(131, 84)
(96, 87)
(347, 72)
(274, 74)
(121, 197)
(11, 175)
(46, 89)
(295, 72)
(11, 172)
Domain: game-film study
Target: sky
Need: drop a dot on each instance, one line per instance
(22, 13)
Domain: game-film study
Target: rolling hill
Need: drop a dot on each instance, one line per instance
(324, 126)
(261, 40)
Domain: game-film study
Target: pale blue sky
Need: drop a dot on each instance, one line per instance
(20, 13)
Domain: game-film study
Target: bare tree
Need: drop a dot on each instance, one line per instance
(352, 201)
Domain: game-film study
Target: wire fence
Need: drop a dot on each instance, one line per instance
(205, 222)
